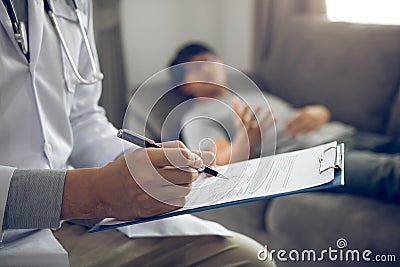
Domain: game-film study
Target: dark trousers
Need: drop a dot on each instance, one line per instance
(372, 166)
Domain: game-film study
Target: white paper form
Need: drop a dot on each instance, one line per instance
(183, 225)
(272, 175)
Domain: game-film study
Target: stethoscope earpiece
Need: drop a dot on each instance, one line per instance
(18, 27)
(22, 38)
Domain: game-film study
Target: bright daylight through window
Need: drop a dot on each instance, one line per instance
(364, 11)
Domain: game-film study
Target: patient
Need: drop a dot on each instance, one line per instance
(372, 161)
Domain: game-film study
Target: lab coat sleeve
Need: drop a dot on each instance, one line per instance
(5, 179)
(34, 199)
(95, 139)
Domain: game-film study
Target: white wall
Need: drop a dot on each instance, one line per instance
(152, 30)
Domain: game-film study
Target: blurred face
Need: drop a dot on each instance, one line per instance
(200, 77)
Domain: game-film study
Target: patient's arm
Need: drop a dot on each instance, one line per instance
(308, 119)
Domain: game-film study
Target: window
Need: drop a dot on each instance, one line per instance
(364, 11)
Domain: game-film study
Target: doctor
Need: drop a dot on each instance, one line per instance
(50, 85)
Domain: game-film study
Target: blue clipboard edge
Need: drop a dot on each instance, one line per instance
(338, 180)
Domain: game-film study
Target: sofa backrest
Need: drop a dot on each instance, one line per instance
(149, 107)
(353, 69)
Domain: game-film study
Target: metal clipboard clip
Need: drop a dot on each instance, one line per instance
(338, 162)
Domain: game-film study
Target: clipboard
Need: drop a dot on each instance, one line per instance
(338, 163)
(338, 180)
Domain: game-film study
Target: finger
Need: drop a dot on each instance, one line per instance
(267, 116)
(267, 121)
(255, 116)
(242, 110)
(235, 104)
(237, 119)
(177, 157)
(255, 113)
(173, 144)
(246, 116)
(237, 111)
(208, 157)
(178, 144)
(177, 176)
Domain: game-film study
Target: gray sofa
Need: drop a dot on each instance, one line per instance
(355, 71)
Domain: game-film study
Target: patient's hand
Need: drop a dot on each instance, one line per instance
(249, 126)
(308, 119)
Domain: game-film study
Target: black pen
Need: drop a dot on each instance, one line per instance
(143, 141)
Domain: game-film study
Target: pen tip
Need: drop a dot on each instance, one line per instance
(222, 176)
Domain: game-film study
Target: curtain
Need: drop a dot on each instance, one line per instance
(109, 47)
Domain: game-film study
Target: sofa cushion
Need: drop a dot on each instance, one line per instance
(353, 69)
(317, 220)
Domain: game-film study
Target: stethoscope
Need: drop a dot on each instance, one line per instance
(22, 40)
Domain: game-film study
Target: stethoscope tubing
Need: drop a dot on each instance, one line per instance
(21, 38)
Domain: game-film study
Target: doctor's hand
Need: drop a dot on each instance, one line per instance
(308, 119)
(143, 183)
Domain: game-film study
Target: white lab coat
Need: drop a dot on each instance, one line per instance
(43, 114)
(47, 121)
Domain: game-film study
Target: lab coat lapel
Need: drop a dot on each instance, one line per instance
(36, 19)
